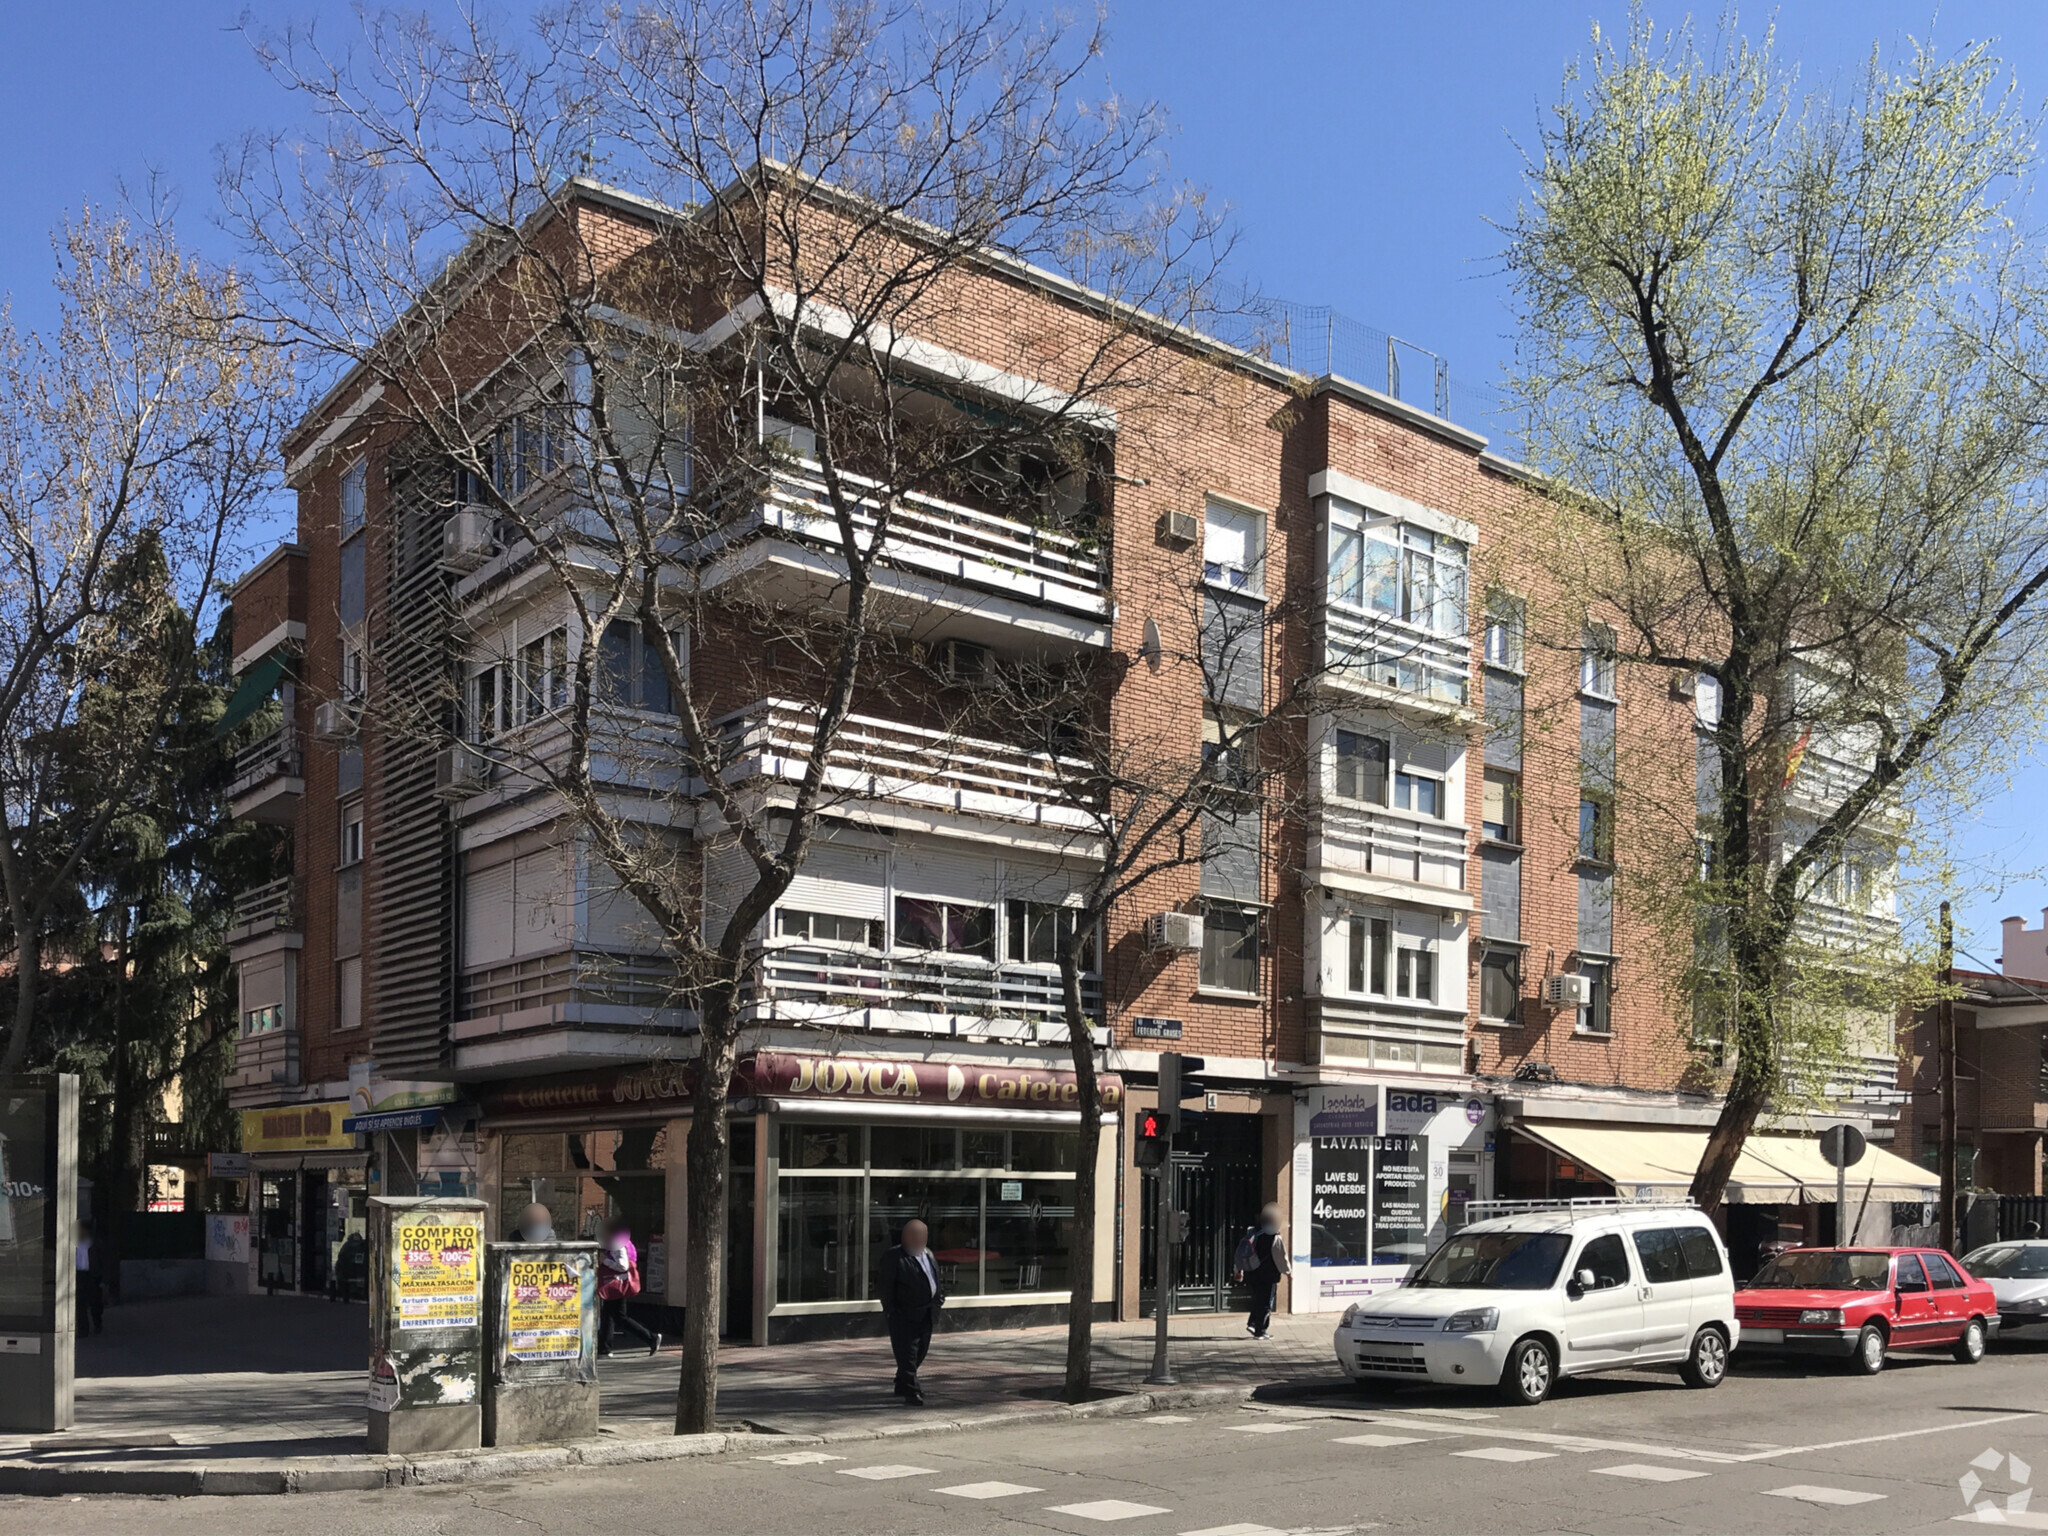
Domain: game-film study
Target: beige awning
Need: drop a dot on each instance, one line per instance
(1657, 1163)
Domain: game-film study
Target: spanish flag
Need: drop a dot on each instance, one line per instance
(1796, 756)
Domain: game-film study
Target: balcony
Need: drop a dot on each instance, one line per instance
(265, 1062)
(272, 908)
(995, 573)
(1387, 852)
(269, 781)
(910, 767)
(957, 998)
(1395, 663)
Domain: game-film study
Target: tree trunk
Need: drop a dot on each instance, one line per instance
(705, 1177)
(1756, 1074)
(1081, 1302)
(28, 977)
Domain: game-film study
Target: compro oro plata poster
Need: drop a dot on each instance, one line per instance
(543, 1311)
(436, 1275)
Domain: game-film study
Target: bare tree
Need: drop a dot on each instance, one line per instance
(1785, 360)
(811, 330)
(137, 440)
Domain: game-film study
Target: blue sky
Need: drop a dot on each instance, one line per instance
(1364, 147)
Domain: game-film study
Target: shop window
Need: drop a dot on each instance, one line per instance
(1230, 949)
(1500, 985)
(1030, 1235)
(1037, 929)
(820, 1146)
(819, 1234)
(1362, 768)
(828, 928)
(912, 1146)
(984, 1149)
(1045, 1151)
(951, 1212)
(952, 927)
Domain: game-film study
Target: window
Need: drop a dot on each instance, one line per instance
(1231, 553)
(1596, 662)
(1942, 1273)
(484, 708)
(1362, 768)
(1228, 753)
(1608, 1260)
(348, 993)
(355, 672)
(1500, 813)
(1419, 793)
(1037, 929)
(949, 926)
(1596, 830)
(1596, 1017)
(543, 675)
(1367, 943)
(1702, 1253)
(1397, 570)
(1415, 975)
(1911, 1276)
(261, 1021)
(828, 928)
(355, 496)
(352, 832)
(1500, 985)
(515, 455)
(1662, 1256)
(1230, 949)
(1505, 618)
(630, 672)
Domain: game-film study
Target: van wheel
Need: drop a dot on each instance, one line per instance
(1970, 1347)
(1869, 1357)
(1530, 1373)
(1707, 1365)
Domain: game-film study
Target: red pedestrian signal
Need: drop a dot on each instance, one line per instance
(1155, 1137)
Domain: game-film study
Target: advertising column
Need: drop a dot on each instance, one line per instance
(38, 1227)
(426, 1324)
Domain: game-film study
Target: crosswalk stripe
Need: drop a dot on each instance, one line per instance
(1380, 1440)
(1107, 1509)
(1505, 1453)
(883, 1473)
(1642, 1471)
(989, 1490)
(1810, 1493)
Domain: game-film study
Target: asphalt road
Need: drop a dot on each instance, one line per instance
(1776, 1448)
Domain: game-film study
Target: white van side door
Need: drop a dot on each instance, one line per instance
(1604, 1322)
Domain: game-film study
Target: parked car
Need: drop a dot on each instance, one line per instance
(1853, 1304)
(1517, 1301)
(2017, 1273)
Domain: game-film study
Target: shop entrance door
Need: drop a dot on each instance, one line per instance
(1217, 1177)
(313, 1250)
(738, 1322)
(277, 1232)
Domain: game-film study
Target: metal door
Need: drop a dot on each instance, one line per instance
(277, 1231)
(1216, 1181)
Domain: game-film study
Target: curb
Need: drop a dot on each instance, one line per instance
(454, 1467)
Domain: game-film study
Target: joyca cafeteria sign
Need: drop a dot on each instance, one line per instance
(926, 1082)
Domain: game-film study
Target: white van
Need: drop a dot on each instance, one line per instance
(1517, 1300)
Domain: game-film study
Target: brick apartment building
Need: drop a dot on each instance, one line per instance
(439, 994)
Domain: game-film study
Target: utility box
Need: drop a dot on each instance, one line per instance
(426, 1325)
(541, 1386)
(38, 1237)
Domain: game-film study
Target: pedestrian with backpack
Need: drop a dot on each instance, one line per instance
(618, 1281)
(1259, 1261)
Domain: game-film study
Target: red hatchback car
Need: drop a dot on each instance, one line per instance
(1855, 1303)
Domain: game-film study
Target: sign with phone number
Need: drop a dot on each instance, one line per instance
(436, 1275)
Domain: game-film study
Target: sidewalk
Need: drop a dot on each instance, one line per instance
(265, 1394)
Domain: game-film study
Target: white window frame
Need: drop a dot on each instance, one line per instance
(1507, 617)
(1597, 653)
(1430, 571)
(1246, 575)
(352, 840)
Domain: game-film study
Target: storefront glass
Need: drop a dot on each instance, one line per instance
(585, 1178)
(999, 1203)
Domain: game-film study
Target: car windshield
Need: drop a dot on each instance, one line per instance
(2009, 1261)
(1824, 1269)
(1496, 1261)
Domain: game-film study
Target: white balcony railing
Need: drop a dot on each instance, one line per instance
(941, 539)
(1381, 653)
(876, 759)
(263, 908)
(1367, 840)
(862, 989)
(275, 756)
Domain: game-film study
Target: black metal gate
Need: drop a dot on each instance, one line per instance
(1217, 1179)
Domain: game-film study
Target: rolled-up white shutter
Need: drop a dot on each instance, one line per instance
(541, 903)
(945, 874)
(847, 882)
(487, 916)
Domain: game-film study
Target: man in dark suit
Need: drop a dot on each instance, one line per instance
(911, 1295)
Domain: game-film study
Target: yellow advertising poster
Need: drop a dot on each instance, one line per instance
(543, 1311)
(436, 1275)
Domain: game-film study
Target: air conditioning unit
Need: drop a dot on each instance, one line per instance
(333, 721)
(1173, 930)
(468, 539)
(1181, 528)
(1567, 992)
(962, 661)
(458, 771)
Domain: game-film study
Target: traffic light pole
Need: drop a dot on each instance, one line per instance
(1165, 1244)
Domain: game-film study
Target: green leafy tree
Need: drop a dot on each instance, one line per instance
(1783, 361)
